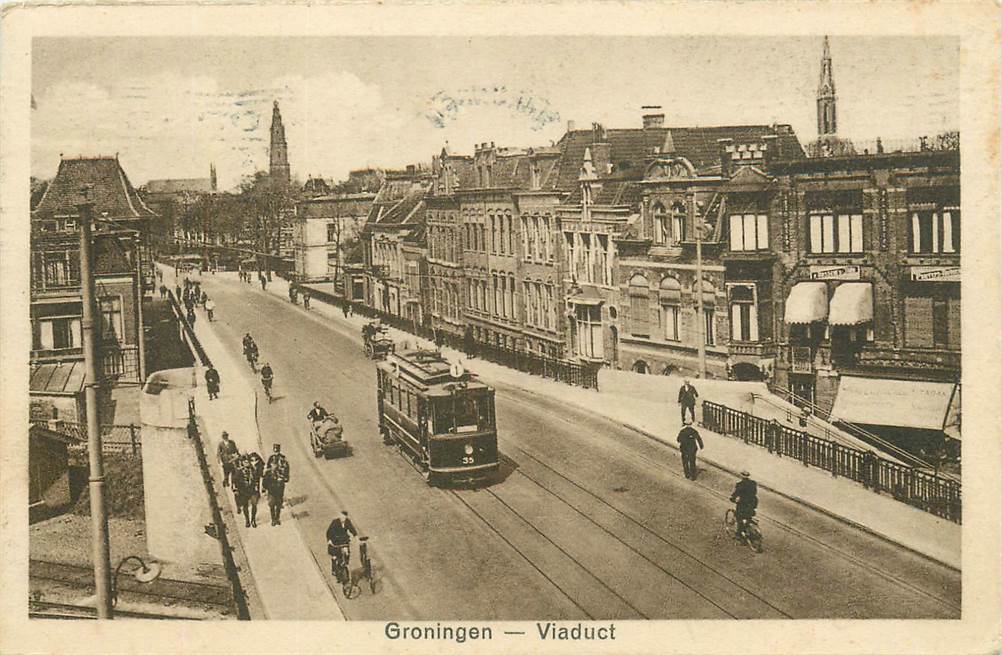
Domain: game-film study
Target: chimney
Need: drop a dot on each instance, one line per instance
(601, 154)
(597, 133)
(653, 116)
(773, 149)
(726, 150)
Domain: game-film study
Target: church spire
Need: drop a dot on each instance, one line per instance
(279, 152)
(827, 123)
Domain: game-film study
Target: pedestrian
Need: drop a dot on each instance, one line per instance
(249, 483)
(212, 382)
(276, 477)
(163, 291)
(204, 297)
(306, 298)
(227, 453)
(689, 442)
(345, 306)
(191, 316)
(261, 279)
(687, 395)
(177, 292)
(210, 306)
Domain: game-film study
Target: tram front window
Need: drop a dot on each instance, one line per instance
(462, 414)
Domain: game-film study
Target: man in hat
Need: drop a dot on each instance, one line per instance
(687, 395)
(212, 382)
(339, 534)
(227, 453)
(249, 486)
(745, 498)
(275, 478)
(689, 442)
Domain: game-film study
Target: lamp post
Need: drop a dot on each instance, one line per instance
(98, 510)
(700, 228)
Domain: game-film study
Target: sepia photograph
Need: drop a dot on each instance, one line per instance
(496, 337)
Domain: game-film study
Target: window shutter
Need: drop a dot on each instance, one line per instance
(735, 322)
(918, 322)
(844, 241)
(953, 322)
(75, 333)
(638, 313)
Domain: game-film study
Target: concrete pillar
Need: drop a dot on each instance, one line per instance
(177, 509)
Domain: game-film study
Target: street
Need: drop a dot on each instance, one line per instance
(590, 520)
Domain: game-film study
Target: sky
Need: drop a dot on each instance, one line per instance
(170, 107)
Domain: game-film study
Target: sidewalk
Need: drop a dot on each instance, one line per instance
(288, 581)
(934, 537)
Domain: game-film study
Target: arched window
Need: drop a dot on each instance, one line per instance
(678, 222)
(660, 223)
(640, 366)
(639, 306)
(670, 299)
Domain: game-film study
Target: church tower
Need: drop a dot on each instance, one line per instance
(827, 125)
(279, 153)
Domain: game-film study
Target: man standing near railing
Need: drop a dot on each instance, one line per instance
(687, 395)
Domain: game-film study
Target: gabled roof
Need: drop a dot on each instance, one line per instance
(108, 188)
(747, 179)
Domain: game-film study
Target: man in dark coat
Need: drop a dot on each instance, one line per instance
(745, 498)
(339, 534)
(248, 490)
(212, 382)
(687, 395)
(227, 454)
(689, 442)
(276, 476)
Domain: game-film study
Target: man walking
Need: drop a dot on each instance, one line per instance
(687, 395)
(276, 477)
(689, 442)
(227, 454)
(250, 491)
(212, 382)
(210, 306)
(163, 291)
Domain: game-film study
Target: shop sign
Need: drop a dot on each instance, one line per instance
(835, 273)
(935, 273)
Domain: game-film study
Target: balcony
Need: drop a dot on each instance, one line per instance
(739, 349)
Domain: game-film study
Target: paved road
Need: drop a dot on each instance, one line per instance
(590, 520)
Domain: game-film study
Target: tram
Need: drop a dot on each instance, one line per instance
(439, 415)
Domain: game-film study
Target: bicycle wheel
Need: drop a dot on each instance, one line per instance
(754, 538)
(368, 574)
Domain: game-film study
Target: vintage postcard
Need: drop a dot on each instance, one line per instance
(630, 328)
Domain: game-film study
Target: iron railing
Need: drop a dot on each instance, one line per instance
(187, 333)
(561, 370)
(926, 491)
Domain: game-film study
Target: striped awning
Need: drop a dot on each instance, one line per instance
(807, 302)
(852, 304)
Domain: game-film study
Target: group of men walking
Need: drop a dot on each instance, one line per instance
(249, 475)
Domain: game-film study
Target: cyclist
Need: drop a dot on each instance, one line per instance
(339, 534)
(745, 497)
(249, 346)
(306, 298)
(267, 377)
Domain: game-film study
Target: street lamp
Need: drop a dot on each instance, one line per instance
(703, 229)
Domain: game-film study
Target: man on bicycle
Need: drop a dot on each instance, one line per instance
(267, 377)
(249, 346)
(745, 497)
(339, 540)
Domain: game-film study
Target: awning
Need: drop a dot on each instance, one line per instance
(807, 302)
(587, 296)
(852, 304)
(901, 403)
(57, 378)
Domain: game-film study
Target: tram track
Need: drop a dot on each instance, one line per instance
(786, 527)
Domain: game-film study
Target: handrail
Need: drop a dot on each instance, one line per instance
(927, 491)
(857, 431)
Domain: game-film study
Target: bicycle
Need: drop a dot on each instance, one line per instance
(266, 383)
(750, 535)
(363, 555)
(251, 359)
(339, 567)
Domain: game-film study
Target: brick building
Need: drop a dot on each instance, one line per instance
(121, 218)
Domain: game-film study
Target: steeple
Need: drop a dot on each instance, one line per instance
(827, 124)
(279, 153)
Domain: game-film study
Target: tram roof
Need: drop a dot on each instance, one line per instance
(429, 370)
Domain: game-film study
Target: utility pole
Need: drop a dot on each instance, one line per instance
(98, 512)
(700, 318)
